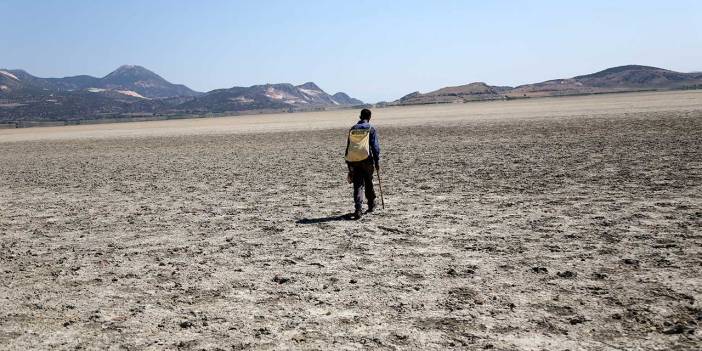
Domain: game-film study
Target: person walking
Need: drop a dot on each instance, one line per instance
(362, 155)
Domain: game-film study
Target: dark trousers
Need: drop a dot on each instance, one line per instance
(362, 176)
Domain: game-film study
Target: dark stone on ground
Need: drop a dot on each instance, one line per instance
(280, 280)
(567, 274)
(539, 270)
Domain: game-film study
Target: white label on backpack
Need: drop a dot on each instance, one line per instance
(359, 145)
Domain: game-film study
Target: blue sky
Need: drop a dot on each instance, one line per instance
(373, 50)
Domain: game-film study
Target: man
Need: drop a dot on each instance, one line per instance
(362, 153)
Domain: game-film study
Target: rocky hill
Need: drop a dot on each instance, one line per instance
(135, 91)
(144, 82)
(126, 78)
(616, 79)
(463, 93)
(283, 96)
(344, 99)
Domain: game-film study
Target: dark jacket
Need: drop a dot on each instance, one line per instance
(374, 143)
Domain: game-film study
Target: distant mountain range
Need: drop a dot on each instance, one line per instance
(134, 91)
(132, 80)
(269, 96)
(616, 79)
(462, 93)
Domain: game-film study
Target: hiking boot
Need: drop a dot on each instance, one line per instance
(358, 214)
(371, 207)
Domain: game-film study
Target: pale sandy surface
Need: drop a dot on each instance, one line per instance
(443, 115)
(545, 224)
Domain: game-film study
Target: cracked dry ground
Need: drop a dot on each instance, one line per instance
(564, 233)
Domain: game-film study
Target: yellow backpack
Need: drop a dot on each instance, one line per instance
(359, 145)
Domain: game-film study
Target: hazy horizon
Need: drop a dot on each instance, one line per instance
(372, 51)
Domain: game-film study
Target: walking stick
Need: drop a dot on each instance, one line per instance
(380, 186)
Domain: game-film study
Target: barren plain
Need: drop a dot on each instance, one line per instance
(540, 224)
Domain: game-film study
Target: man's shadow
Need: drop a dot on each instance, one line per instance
(344, 217)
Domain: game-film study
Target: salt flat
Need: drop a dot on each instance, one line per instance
(443, 114)
(566, 223)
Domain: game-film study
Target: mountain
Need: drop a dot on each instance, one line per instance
(125, 78)
(463, 93)
(282, 96)
(634, 76)
(615, 79)
(313, 95)
(343, 99)
(135, 91)
(144, 82)
(9, 82)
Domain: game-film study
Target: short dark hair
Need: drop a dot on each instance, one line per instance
(365, 114)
